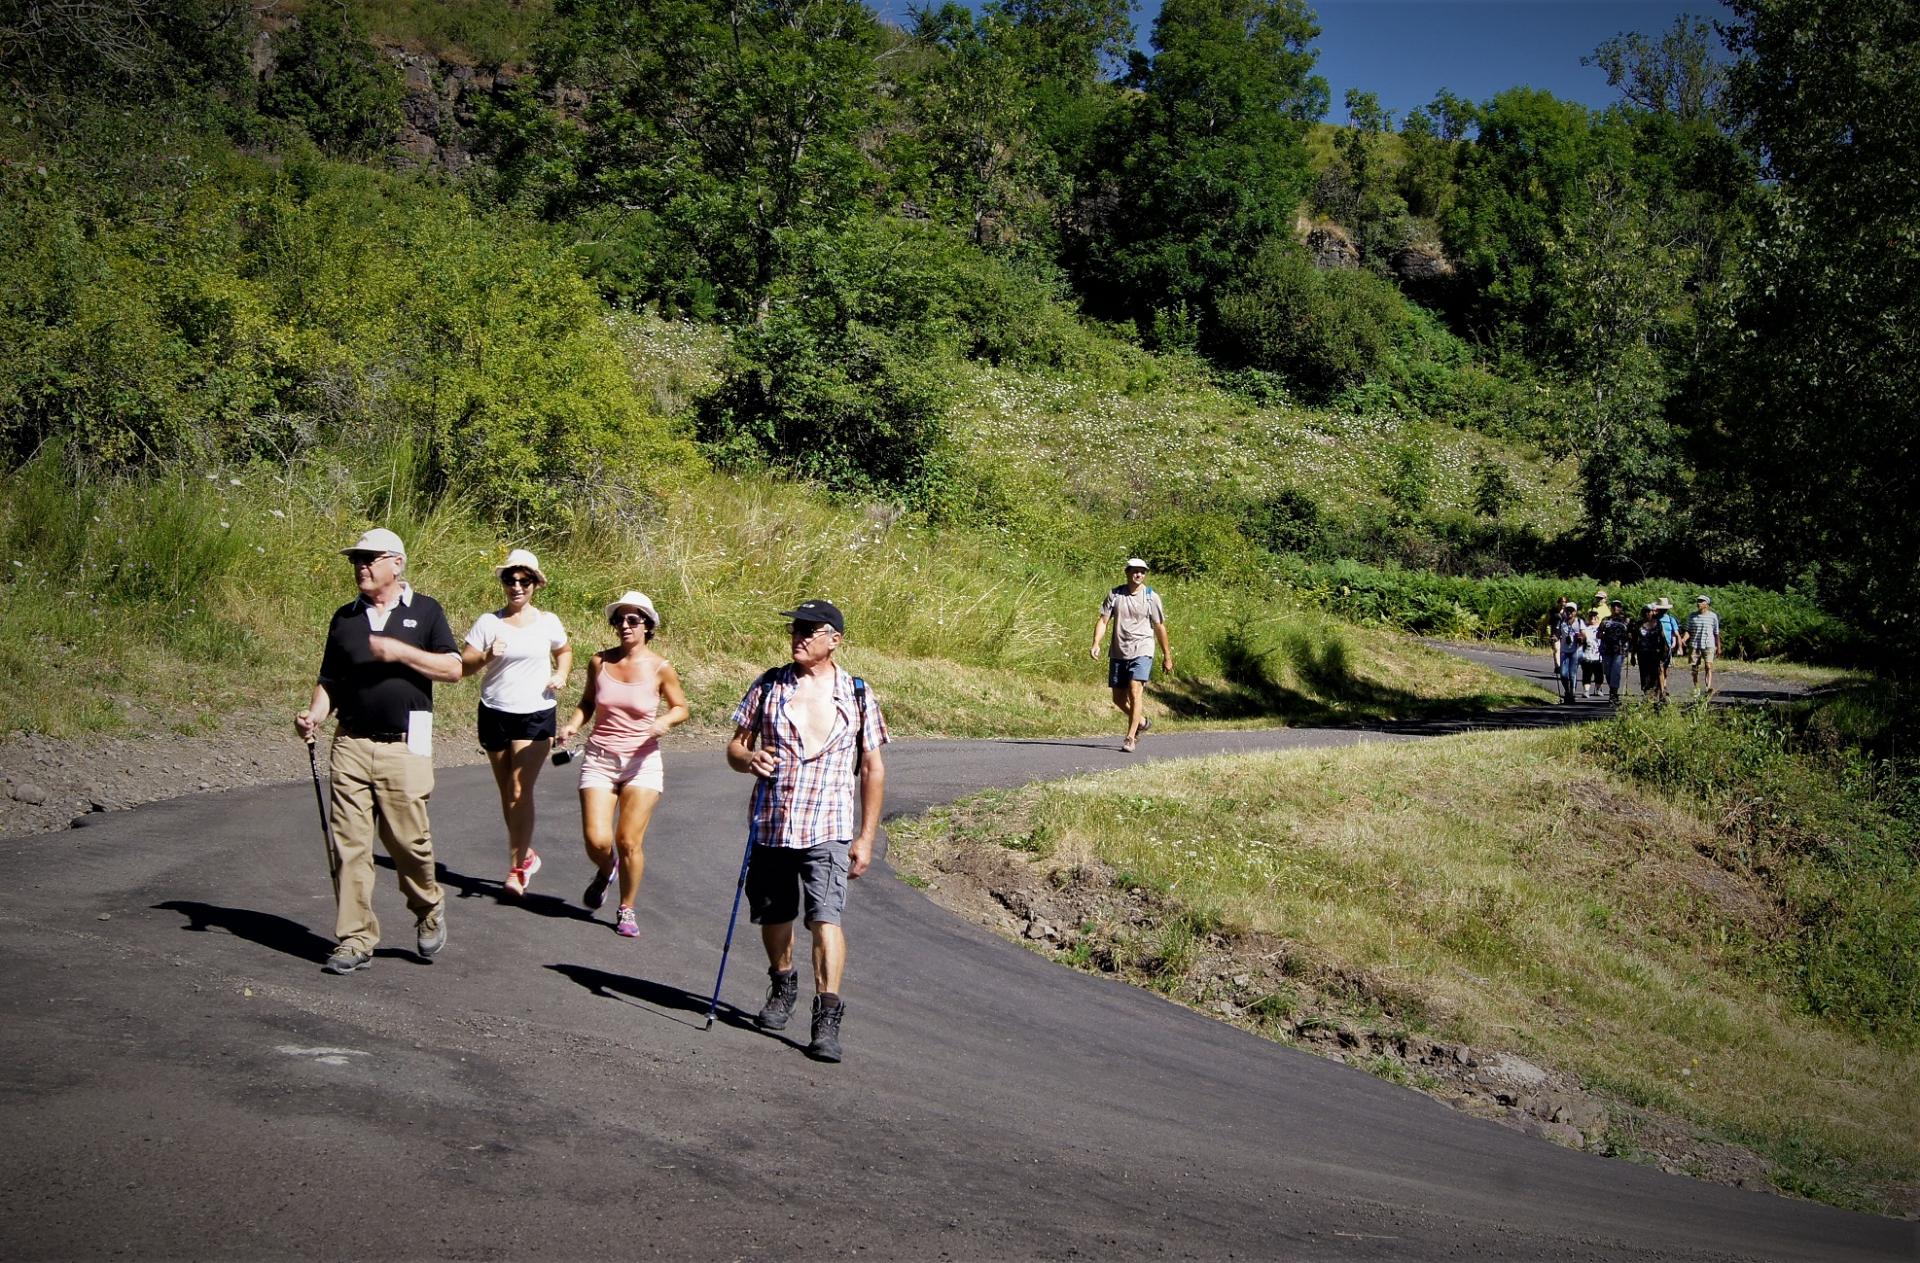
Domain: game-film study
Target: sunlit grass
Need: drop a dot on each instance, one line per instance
(1522, 899)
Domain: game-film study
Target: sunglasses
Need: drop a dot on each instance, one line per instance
(365, 559)
(516, 581)
(628, 620)
(807, 631)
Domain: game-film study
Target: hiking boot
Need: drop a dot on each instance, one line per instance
(346, 959)
(596, 892)
(783, 992)
(432, 931)
(827, 1012)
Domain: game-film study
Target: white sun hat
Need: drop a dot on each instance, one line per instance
(521, 559)
(377, 540)
(633, 600)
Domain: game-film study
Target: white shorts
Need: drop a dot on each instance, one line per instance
(644, 767)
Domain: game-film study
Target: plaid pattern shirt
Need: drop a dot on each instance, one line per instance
(809, 800)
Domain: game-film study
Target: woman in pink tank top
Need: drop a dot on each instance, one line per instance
(621, 775)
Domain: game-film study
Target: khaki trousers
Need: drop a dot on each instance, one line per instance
(380, 785)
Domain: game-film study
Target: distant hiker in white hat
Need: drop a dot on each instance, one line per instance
(523, 657)
(1138, 621)
(385, 649)
(634, 698)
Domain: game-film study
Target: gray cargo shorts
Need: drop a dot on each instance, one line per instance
(779, 876)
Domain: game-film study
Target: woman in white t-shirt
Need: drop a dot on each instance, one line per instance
(524, 658)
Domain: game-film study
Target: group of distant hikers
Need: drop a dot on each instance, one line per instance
(1592, 648)
(809, 733)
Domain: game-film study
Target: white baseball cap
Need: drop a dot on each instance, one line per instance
(633, 600)
(1704, 597)
(1137, 563)
(377, 540)
(521, 559)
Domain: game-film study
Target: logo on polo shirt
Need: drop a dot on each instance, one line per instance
(407, 622)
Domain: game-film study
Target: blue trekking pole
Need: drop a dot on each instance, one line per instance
(745, 861)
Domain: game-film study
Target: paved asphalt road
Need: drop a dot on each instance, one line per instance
(181, 1079)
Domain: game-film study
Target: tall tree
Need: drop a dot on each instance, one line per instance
(1211, 162)
(1819, 454)
(727, 126)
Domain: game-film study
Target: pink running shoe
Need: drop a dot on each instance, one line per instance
(625, 925)
(520, 876)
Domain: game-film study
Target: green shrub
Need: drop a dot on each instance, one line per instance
(1830, 829)
(1321, 330)
(1189, 544)
(848, 407)
(327, 78)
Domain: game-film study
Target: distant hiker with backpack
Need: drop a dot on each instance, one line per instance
(1138, 621)
(634, 698)
(1590, 665)
(1663, 608)
(1616, 645)
(811, 735)
(1651, 649)
(1700, 639)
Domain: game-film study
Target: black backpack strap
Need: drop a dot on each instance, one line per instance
(765, 685)
(860, 731)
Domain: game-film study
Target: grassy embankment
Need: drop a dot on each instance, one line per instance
(179, 600)
(1689, 914)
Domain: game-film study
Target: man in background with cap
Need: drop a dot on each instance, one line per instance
(1700, 639)
(385, 648)
(811, 735)
(1138, 621)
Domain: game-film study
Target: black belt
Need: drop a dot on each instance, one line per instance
(384, 738)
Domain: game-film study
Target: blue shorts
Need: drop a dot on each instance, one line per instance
(1122, 670)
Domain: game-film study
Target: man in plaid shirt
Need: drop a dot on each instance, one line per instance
(811, 733)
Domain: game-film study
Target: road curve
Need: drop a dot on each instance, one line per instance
(182, 1079)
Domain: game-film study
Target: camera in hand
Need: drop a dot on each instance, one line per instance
(562, 755)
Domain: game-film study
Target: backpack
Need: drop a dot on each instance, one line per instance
(765, 683)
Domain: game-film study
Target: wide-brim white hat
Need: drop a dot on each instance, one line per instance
(521, 559)
(633, 600)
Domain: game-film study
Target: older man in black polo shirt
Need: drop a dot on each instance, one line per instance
(385, 648)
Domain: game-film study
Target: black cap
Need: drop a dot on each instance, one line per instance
(817, 612)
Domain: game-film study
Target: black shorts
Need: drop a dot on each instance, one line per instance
(1590, 671)
(499, 729)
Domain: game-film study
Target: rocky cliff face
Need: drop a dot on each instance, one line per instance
(439, 112)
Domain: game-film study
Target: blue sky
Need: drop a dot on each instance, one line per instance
(1406, 50)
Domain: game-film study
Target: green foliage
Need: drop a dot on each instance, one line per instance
(1833, 831)
(327, 78)
(1209, 162)
(1189, 544)
(729, 131)
(1815, 373)
(131, 51)
(1321, 330)
(218, 309)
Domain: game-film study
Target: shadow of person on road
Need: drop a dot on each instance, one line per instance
(263, 928)
(662, 996)
(544, 905)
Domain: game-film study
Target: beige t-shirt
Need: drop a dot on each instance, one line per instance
(1134, 618)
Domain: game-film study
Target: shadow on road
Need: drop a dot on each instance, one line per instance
(662, 997)
(541, 905)
(264, 928)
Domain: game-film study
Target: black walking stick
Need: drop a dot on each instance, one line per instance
(326, 825)
(745, 861)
